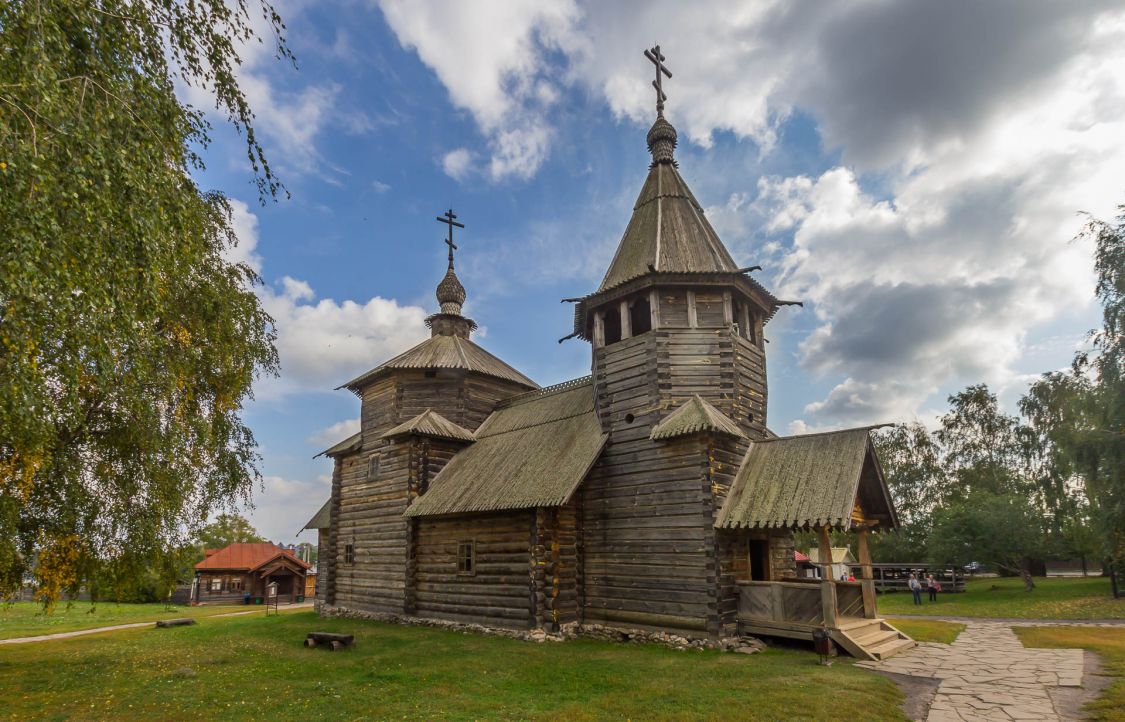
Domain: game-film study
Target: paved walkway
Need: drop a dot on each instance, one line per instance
(132, 625)
(987, 674)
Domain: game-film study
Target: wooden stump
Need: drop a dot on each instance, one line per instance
(335, 641)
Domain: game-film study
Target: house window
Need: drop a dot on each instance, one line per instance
(349, 554)
(216, 585)
(373, 467)
(236, 584)
(466, 558)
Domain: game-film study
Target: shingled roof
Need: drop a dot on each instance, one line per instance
(667, 233)
(693, 416)
(446, 352)
(430, 423)
(351, 443)
(808, 481)
(322, 519)
(532, 451)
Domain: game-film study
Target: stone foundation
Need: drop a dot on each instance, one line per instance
(574, 630)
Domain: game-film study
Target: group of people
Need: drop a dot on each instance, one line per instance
(933, 586)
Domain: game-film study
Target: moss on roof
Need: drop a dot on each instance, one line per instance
(349, 444)
(693, 416)
(430, 423)
(807, 481)
(532, 451)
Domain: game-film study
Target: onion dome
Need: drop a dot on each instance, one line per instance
(662, 141)
(450, 293)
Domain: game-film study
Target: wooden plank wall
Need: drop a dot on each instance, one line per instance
(555, 566)
(499, 592)
(321, 561)
(750, 391)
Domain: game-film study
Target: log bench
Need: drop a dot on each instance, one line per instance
(332, 640)
(182, 622)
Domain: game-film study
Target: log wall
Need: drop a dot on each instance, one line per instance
(499, 591)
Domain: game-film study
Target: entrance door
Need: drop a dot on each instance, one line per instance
(759, 560)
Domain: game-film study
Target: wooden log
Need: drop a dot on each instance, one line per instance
(182, 622)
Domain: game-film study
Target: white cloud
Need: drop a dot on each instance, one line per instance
(457, 163)
(322, 344)
(335, 433)
(285, 505)
(245, 225)
(380, 187)
(490, 56)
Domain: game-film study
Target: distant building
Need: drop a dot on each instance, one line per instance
(228, 576)
(842, 561)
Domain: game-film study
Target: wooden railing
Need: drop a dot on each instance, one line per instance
(820, 603)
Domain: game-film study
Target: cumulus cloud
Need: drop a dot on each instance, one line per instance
(335, 433)
(493, 58)
(457, 163)
(285, 505)
(245, 225)
(323, 343)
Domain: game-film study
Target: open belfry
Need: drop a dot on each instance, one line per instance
(650, 495)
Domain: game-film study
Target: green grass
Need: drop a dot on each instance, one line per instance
(1053, 598)
(256, 667)
(928, 630)
(27, 619)
(1108, 643)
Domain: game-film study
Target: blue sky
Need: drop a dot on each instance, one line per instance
(912, 173)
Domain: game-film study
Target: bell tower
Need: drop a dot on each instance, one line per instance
(679, 374)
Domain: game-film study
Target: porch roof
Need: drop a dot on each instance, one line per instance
(831, 479)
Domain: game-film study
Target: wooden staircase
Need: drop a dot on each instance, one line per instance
(870, 639)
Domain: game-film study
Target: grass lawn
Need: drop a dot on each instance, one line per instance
(1053, 598)
(26, 619)
(256, 667)
(1108, 643)
(928, 630)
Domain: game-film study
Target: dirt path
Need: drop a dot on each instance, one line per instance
(133, 625)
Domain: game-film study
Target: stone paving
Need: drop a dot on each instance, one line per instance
(987, 674)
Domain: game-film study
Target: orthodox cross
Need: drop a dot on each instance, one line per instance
(449, 219)
(657, 59)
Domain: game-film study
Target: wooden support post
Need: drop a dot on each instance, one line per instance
(728, 309)
(744, 322)
(825, 544)
(626, 321)
(691, 320)
(654, 308)
(828, 603)
(867, 583)
(599, 329)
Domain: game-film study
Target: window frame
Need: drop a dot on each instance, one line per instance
(467, 563)
(349, 554)
(373, 463)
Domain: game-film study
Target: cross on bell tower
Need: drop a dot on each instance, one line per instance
(450, 219)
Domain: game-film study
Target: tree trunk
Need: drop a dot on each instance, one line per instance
(1028, 584)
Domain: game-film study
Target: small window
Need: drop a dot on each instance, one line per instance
(349, 554)
(466, 558)
(612, 326)
(373, 468)
(640, 316)
(236, 584)
(216, 585)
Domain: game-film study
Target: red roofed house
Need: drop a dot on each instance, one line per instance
(228, 575)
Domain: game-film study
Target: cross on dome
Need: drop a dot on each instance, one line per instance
(656, 58)
(449, 218)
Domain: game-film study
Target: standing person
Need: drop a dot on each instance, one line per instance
(916, 588)
(931, 587)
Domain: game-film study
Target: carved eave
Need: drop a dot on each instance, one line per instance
(747, 287)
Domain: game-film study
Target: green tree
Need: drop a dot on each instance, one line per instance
(227, 529)
(981, 445)
(912, 466)
(1080, 413)
(128, 343)
(1003, 531)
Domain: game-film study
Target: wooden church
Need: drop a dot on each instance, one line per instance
(649, 495)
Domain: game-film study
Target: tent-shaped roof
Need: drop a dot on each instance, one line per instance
(667, 233)
(693, 416)
(446, 352)
(532, 451)
(349, 444)
(321, 519)
(247, 556)
(430, 423)
(806, 481)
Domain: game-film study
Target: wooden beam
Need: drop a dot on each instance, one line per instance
(728, 309)
(654, 308)
(626, 321)
(691, 320)
(599, 329)
(825, 544)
